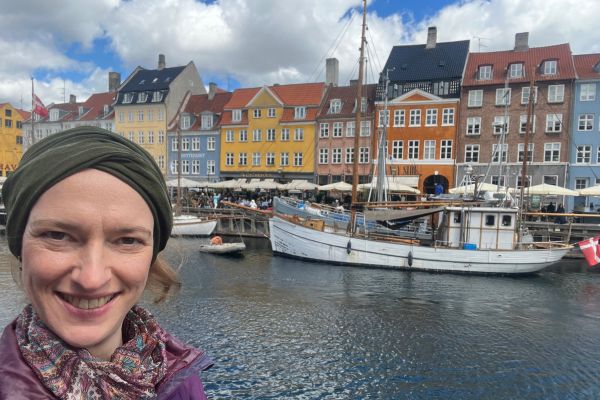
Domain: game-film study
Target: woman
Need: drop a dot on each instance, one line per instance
(87, 214)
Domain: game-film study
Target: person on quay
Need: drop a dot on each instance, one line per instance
(88, 213)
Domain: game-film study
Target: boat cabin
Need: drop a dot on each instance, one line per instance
(474, 228)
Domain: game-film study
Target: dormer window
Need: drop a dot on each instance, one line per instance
(485, 72)
(515, 71)
(127, 98)
(236, 115)
(597, 67)
(54, 113)
(157, 96)
(142, 97)
(363, 105)
(300, 112)
(207, 121)
(185, 122)
(550, 67)
(80, 110)
(106, 109)
(335, 106)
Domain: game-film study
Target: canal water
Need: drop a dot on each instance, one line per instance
(287, 329)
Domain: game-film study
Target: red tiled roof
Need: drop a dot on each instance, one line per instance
(200, 103)
(288, 115)
(226, 118)
(501, 60)
(347, 95)
(24, 114)
(240, 98)
(94, 106)
(584, 65)
(300, 94)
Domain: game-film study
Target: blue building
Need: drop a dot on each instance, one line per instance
(199, 125)
(584, 162)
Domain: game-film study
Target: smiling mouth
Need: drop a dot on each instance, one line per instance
(86, 304)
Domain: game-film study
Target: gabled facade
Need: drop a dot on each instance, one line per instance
(11, 137)
(98, 111)
(269, 132)
(433, 67)
(336, 128)
(584, 165)
(493, 118)
(421, 137)
(149, 99)
(199, 129)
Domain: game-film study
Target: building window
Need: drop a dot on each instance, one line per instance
(298, 135)
(270, 159)
(256, 135)
(429, 150)
(129, 116)
(196, 144)
(365, 128)
(502, 96)
(553, 122)
(516, 70)
(323, 156)
(474, 126)
(151, 137)
(185, 122)
(384, 118)
(127, 98)
(523, 124)
(270, 135)
(581, 183)
(550, 67)
(150, 115)
(349, 155)
(598, 161)
(475, 98)
(185, 144)
(551, 152)
(297, 159)
(140, 115)
(243, 159)
(448, 117)
(496, 152)
(472, 153)
(157, 96)
(174, 144)
(236, 115)
(584, 154)
(271, 112)
(324, 130)
(141, 137)
(207, 121)
(174, 167)
(257, 113)
(363, 155)
(527, 181)
(161, 136)
(256, 159)
(498, 180)
(525, 94)
(211, 143)
(336, 155)
(415, 118)
(229, 136)
(161, 161)
(285, 135)
(350, 128)
(485, 72)
(8, 123)
(196, 167)
(284, 159)
(229, 159)
(446, 150)
(521, 151)
(588, 92)
(430, 117)
(185, 167)
(586, 122)
(556, 93)
(121, 116)
(441, 88)
(299, 112)
(397, 149)
(413, 149)
(501, 125)
(337, 129)
(161, 115)
(142, 97)
(399, 118)
(335, 106)
(243, 135)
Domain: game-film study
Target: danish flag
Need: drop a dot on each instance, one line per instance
(591, 250)
(39, 108)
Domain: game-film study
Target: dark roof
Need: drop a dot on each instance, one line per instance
(415, 63)
(152, 79)
(347, 95)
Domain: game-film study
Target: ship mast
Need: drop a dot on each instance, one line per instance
(357, 121)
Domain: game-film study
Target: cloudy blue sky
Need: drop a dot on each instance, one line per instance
(69, 46)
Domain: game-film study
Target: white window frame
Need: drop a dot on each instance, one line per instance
(196, 143)
(587, 120)
(300, 112)
(229, 159)
(284, 159)
(256, 156)
(185, 144)
(271, 134)
(583, 154)
(229, 135)
(516, 70)
(399, 118)
(587, 92)
(503, 153)
(257, 135)
(335, 106)
(324, 130)
(365, 128)
(415, 117)
(298, 159)
(521, 152)
(323, 156)
(523, 124)
(298, 134)
(350, 128)
(448, 117)
(397, 149)
(236, 115)
(186, 122)
(243, 159)
(384, 118)
(270, 159)
(431, 117)
(211, 167)
(550, 67)
(363, 155)
(553, 123)
(472, 152)
(338, 130)
(349, 157)
(525, 95)
(285, 134)
(474, 126)
(413, 149)
(475, 98)
(484, 72)
(174, 144)
(256, 113)
(503, 96)
(336, 155)
(429, 147)
(243, 135)
(211, 143)
(556, 93)
(446, 149)
(195, 167)
(207, 121)
(552, 152)
(501, 125)
(271, 113)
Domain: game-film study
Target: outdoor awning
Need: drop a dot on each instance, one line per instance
(387, 215)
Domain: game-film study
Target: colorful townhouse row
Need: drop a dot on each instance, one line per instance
(443, 109)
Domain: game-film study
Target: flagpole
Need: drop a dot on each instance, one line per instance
(32, 113)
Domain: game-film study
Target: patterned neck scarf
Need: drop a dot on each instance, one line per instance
(133, 372)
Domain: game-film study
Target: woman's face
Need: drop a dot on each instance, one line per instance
(86, 255)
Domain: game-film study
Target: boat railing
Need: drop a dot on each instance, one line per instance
(549, 244)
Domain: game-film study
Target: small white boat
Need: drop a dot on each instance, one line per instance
(223, 248)
(190, 225)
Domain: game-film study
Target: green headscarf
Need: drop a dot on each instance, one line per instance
(63, 154)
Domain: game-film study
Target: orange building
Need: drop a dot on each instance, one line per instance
(421, 136)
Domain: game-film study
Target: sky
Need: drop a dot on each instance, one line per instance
(69, 46)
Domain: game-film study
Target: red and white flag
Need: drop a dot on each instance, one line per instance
(591, 250)
(39, 108)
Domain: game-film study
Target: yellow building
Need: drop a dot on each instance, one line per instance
(11, 137)
(269, 132)
(148, 100)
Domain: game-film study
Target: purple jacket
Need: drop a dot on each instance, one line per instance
(182, 382)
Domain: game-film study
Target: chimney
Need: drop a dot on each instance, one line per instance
(161, 62)
(353, 82)
(72, 99)
(431, 37)
(332, 71)
(212, 89)
(522, 41)
(114, 81)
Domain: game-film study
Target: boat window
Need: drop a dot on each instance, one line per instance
(490, 220)
(506, 220)
(456, 217)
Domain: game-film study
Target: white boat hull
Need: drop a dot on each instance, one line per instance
(303, 242)
(225, 248)
(186, 225)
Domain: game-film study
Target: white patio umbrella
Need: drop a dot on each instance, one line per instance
(590, 191)
(390, 186)
(337, 187)
(185, 183)
(547, 189)
(300, 184)
(483, 186)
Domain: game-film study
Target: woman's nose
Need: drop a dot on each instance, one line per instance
(92, 271)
